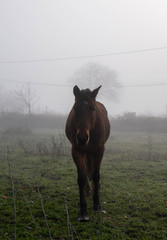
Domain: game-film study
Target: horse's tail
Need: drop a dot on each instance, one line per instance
(89, 166)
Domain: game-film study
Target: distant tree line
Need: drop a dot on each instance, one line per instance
(12, 122)
(19, 109)
(19, 123)
(130, 122)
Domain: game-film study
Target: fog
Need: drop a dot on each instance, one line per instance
(46, 42)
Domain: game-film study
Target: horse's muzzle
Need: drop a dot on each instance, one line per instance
(82, 140)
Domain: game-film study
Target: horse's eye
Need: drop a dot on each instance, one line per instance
(92, 108)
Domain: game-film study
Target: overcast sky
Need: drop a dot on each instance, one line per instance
(57, 29)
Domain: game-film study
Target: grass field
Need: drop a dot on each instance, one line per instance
(39, 192)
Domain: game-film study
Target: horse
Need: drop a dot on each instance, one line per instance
(87, 128)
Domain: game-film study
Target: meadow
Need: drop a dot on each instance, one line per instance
(39, 192)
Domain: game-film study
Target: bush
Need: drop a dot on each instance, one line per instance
(18, 131)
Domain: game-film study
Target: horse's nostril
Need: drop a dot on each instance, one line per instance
(82, 140)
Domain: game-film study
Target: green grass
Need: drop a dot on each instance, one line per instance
(132, 189)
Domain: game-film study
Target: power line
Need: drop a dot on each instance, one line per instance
(36, 83)
(145, 85)
(84, 57)
(70, 85)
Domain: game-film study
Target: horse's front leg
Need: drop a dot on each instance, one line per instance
(80, 161)
(96, 178)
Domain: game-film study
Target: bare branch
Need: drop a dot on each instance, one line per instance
(4, 235)
(27, 97)
(43, 210)
(68, 221)
(25, 200)
(70, 228)
(28, 205)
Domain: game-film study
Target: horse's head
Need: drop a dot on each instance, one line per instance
(84, 108)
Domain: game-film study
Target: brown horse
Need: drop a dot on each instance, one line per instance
(88, 129)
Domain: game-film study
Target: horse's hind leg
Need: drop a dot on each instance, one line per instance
(96, 201)
(87, 188)
(96, 178)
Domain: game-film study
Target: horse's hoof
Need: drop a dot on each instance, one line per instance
(83, 218)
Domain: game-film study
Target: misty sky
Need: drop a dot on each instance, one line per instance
(55, 29)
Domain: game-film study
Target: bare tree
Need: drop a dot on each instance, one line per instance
(27, 97)
(94, 74)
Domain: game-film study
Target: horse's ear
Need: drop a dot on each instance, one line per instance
(95, 92)
(76, 91)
